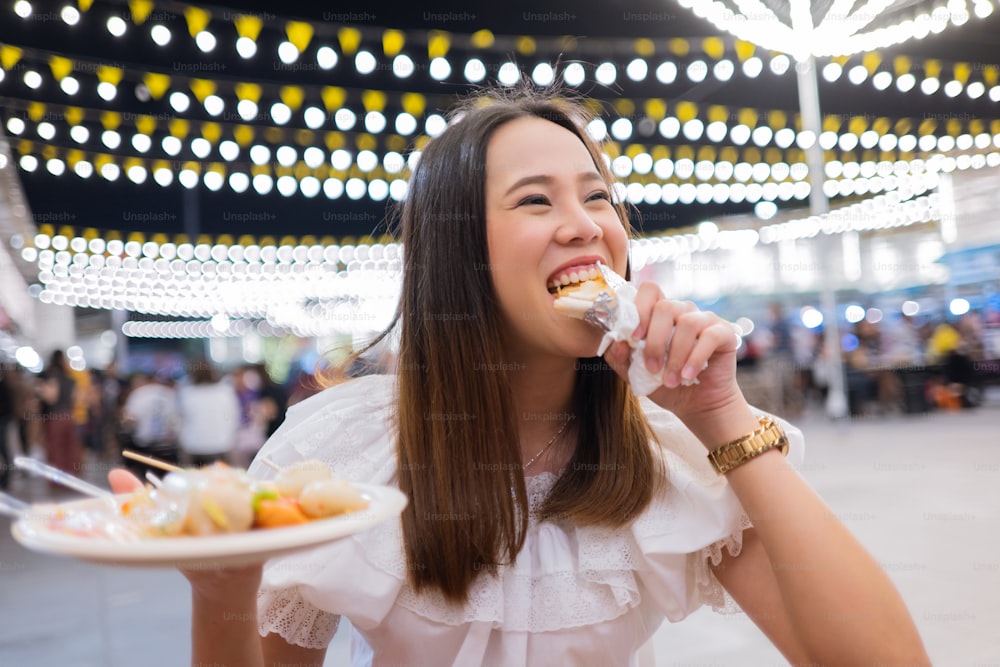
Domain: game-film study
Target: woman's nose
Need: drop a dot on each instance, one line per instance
(578, 225)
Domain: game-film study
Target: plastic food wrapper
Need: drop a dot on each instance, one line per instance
(613, 310)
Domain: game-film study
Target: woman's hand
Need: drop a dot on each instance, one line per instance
(213, 584)
(680, 340)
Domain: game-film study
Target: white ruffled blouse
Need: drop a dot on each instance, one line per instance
(574, 596)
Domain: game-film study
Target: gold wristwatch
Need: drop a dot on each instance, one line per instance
(768, 436)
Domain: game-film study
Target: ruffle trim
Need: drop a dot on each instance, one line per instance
(590, 584)
(592, 578)
(287, 614)
(710, 591)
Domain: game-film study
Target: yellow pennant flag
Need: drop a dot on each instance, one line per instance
(212, 132)
(36, 111)
(146, 124)
(299, 33)
(61, 67)
(243, 134)
(373, 100)
(526, 45)
(156, 83)
(111, 120)
(962, 72)
(679, 46)
(392, 42)
(248, 26)
(438, 43)
(202, 88)
(73, 115)
(197, 19)
(350, 40)
(292, 96)
(178, 127)
(140, 10)
(109, 74)
(656, 109)
(333, 97)
(744, 50)
(686, 111)
(9, 55)
(713, 47)
(414, 104)
(645, 47)
(247, 91)
(482, 39)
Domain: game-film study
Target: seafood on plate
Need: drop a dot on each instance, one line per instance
(220, 499)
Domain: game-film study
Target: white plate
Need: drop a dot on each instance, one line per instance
(205, 552)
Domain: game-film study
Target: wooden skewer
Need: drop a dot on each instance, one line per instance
(156, 463)
(270, 464)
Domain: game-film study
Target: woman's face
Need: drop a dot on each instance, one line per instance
(548, 212)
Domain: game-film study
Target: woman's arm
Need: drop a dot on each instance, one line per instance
(224, 614)
(224, 617)
(807, 582)
(278, 653)
(224, 625)
(840, 604)
(837, 606)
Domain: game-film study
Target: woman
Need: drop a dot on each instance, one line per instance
(498, 403)
(209, 415)
(57, 392)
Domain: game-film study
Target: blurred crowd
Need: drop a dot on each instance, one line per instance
(75, 418)
(892, 364)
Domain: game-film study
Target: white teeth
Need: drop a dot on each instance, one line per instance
(575, 276)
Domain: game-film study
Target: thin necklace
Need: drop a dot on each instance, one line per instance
(548, 444)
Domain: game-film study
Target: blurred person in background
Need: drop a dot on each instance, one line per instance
(943, 341)
(92, 433)
(902, 344)
(82, 405)
(57, 392)
(151, 420)
(8, 407)
(782, 362)
(272, 400)
(951, 347)
(209, 412)
(263, 404)
(250, 434)
(113, 389)
(960, 364)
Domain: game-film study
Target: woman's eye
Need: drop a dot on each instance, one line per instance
(534, 200)
(600, 194)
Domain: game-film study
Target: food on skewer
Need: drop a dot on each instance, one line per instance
(599, 296)
(330, 497)
(292, 479)
(220, 499)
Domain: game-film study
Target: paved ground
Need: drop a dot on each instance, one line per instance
(922, 493)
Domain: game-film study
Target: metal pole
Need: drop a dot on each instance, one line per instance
(836, 399)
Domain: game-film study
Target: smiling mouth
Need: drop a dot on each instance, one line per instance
(572, 278)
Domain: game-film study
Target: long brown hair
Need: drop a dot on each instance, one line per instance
(459, 457)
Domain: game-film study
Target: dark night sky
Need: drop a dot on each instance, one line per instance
(150, 208)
